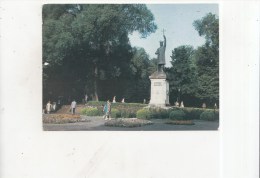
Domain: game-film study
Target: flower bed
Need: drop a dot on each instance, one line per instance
(62, 118)
(129, 122)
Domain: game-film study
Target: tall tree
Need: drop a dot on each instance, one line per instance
(182, 74)
(207, 59)
(87, 39)
(138, 85)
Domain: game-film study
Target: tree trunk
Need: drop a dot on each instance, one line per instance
(95, 84)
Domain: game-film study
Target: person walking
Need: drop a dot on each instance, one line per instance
(86, 99)
(73, 106)
(54, 106)
(114, 99)
(48, 107)
(182, 104)
(204, 106)
(107, 110)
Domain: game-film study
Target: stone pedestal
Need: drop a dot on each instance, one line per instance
(159, 90)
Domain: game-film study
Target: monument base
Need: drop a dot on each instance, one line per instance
(159, 90)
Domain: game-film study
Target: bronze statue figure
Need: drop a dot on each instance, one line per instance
(161, 55)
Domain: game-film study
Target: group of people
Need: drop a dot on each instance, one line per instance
(204, 106)
(114, 100)
(50, 107)
(53, 107)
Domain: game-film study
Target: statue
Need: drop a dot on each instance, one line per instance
(159, 83)
(161, 54)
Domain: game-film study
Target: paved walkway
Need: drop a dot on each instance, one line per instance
(97, 123)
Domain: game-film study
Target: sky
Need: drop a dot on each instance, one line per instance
(177, 21)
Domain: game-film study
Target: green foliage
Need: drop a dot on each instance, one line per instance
(182, 74)
(128, 114)
(216, 112)
(208, 26)
(194, 74)
(116, 105)
(193, 113)
(127, 110)
(208, 74)
(138, 85)
(88, 46)
(143, 114)
(177, 115)
(95, 103)
(91, 112)
(207, 59)
(159, 113)
(207, 115)
(115, 113)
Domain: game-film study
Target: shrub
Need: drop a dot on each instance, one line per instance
(83, 111)
(207, 115)
(115, 113)
(143, 114)
(127, 114)
(177, 115)
(91, 112)
(159, 113)
(127, 110)
(193, 113)
(216, 114)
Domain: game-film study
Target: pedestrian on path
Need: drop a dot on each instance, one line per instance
(86, 99)
(107, 110)
(48, 107)
(73, 106)
(114, 99)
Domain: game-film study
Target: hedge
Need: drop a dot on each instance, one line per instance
(208, 116)
(159, 113)
(177, 115)
(129, 110)
(143, 114)
(115, 113)
(91, 112)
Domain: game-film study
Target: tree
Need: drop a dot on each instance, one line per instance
(195, 72)
(208, 26)
(207, 59)
(90, 42)
(182, 74)
(138, 83)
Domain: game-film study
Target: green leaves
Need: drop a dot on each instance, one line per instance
(207, 59)
(208, 26)
(182, 72)
(196, 71)
(81, 39)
